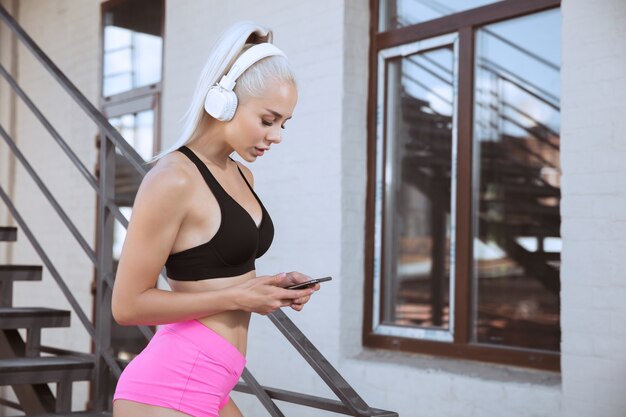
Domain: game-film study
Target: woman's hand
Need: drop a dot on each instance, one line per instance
(265, 294)
(296, 278)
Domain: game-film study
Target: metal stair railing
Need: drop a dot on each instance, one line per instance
(350, 403)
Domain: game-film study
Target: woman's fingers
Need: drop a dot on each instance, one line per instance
(302, 300)
(295, 294)
(276, 296)
(296, 277)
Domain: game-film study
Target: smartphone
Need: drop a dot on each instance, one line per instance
(308, 284)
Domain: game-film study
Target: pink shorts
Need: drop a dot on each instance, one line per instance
(186, 367)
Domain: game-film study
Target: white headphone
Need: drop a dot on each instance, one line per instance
(221, 100)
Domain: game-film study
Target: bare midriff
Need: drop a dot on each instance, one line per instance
(231, 325)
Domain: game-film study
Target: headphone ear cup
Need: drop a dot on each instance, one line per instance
(231, 106)
(220, 103)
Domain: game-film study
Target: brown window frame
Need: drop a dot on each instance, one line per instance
(465, 24)
(138, 99)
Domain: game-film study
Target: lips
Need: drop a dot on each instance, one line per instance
(261, 151)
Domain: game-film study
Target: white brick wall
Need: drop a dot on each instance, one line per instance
(594, 208)
(68, 32)
(6, 114)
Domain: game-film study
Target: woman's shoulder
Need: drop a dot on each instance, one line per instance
(172, 175)
(164, 195)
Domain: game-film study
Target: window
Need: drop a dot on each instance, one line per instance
(133, 45)
(399, 13)
(132, 55)
(463, 248)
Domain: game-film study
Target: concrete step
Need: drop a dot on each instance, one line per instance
(20, 272)
(8, 234)
(44, 369)
(33, 317)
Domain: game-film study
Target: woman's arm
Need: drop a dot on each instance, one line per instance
(162, 201)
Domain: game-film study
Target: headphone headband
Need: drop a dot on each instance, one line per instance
(246, 60)
(221, 100)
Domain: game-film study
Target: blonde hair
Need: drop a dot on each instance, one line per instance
(231, 44)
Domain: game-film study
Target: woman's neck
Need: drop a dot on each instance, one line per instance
(211, 145)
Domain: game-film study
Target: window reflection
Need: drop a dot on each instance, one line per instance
(418, 212)
(395, 14)
(517, 174)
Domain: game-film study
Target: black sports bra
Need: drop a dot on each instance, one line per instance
(235, 246)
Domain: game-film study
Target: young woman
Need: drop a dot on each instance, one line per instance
(197, 214)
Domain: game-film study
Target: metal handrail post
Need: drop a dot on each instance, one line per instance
(260, 393)
(106, 223)
(346, 394)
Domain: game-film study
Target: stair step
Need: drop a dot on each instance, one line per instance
(44, 370)
(8, 234)
(20, 272)
(28, 317)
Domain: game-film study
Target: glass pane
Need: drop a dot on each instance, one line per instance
(117, 62)
(116, 38)
(138, 130)
(395, 14)
(117, 84)
(517, 171)
(419, 163)
(133, 45)
(147, 59)
(144, 134)
(119, 234)
(126, 126)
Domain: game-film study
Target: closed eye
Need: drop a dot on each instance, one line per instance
(266, 123)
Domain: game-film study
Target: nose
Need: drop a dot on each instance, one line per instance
(274, 135)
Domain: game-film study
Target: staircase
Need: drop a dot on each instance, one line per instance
(23, 363)
(29, 367)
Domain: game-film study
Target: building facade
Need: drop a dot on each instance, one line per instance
(455, 166)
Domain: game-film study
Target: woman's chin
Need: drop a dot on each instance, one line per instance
(247, 157)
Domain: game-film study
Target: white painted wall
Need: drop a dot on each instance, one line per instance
(313, 185)
(68, 31)
(6, 115)
(593, 152)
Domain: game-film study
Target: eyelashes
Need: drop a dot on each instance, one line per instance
(266, 123)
